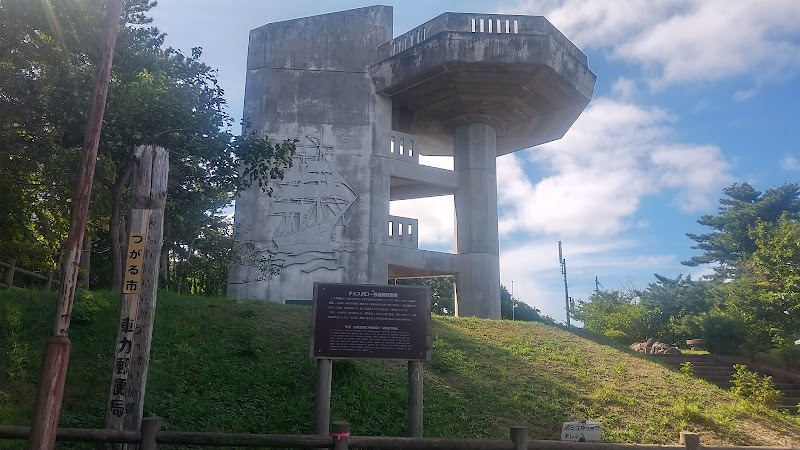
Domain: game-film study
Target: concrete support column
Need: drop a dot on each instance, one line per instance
(477, 246)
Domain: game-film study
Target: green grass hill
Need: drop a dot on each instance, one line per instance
(243, 366)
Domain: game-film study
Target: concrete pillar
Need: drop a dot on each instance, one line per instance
(477, 246)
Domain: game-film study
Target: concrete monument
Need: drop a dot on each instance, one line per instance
(364, 106)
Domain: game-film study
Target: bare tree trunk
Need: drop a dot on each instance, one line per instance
(116, 227)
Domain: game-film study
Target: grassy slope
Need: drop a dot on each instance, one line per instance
(223, 365)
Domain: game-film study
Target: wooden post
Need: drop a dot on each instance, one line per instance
(49, 281)
(415, 398)
(519, 435)
(138, 304)
(340, 431)
(54, 368)
(690, 440)
(150, 428)
(322, 397)
(8, 279)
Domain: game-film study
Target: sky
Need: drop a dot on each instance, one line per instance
(691, 97)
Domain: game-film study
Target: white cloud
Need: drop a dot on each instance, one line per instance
(746, 94)
(790, 162)
(680, 41)
(615, 155)
(624, 88)
(435, 220)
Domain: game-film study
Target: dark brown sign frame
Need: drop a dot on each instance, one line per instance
(371, 321)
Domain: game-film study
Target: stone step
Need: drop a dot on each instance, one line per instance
(787, 387)
(712, 371)
(711, 364)
(791, 409)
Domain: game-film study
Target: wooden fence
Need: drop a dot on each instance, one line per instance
(151, 437)
(10, 269)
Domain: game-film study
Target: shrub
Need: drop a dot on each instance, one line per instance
(723, 334)
(790, 355)
(757, 388)
(687, 368)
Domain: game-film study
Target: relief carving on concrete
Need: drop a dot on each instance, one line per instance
(311, 201)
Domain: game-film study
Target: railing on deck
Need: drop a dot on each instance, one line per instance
(478, 23)
(403, 146)
(475, 23)
(150, 438)
(403, 231)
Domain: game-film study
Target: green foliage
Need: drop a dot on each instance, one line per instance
(756, 388)
(790, 355)
(723, 333)
(618, 336)
(687, 368)
(615, 314)
(669, 301)
(87, 307)
(729, 242)
(157, 96)
(443, 292)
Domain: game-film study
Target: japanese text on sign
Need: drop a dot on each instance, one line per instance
(134, 263)
(581, 431)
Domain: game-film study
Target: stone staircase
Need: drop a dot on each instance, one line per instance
(718, 370)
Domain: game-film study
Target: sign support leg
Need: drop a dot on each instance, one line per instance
(415, 398)
(322, 399)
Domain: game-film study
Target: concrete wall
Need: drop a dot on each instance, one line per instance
(307, 79)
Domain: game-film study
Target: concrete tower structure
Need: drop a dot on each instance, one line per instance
(364, 106)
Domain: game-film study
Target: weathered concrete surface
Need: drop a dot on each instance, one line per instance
(530, 88)
(307, 79)
(364, 107)
(476, 221)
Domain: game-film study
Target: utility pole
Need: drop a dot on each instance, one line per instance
(56, 352)
(596, 285)
(564, 272)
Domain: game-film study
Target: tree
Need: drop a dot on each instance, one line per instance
(615, 314)
(157, 96)
(729, 243)
(442, 292)
(668, 301)
(766, 295)
(34, 182)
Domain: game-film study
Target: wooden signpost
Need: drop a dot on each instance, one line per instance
(137, 308)
(370, 322)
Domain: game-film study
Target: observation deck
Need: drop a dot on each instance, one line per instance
(518, 74)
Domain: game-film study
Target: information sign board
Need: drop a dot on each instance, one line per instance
(371, 321)
(581, 431)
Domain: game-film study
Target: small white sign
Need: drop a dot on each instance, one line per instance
(581, 431)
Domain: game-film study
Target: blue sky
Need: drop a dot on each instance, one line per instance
(691, 96)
